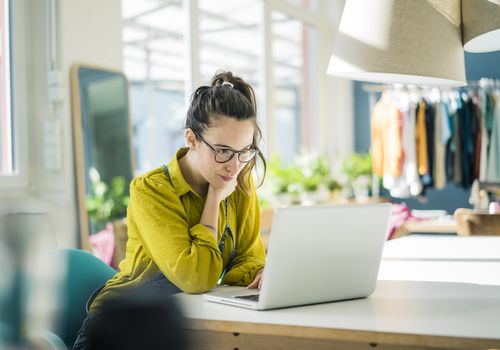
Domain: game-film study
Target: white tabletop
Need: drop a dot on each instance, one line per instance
(410, 297)
(439, 247)
(473, 259)
(430, 308)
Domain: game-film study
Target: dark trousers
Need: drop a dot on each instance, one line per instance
(159, 284)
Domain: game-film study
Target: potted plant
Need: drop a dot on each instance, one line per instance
(358, 169)
(106, 203)
(310, 186)
(361, 188)
(315, 173)
(285, 181)
(334, 187)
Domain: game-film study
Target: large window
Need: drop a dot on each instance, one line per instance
(229, 38)
(272, 44)
(154, 61)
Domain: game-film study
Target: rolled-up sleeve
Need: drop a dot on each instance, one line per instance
(250, 254)
(187, 256)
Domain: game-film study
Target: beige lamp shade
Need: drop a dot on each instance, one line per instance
(481, 25)
(400, 41)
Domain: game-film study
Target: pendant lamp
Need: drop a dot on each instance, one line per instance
(408, 41)
(481, 25)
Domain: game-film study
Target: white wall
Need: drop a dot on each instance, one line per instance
(336, 102)
(89, 32)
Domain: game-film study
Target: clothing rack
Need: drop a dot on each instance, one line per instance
(482, 83)
(374, 89)
(453, 148)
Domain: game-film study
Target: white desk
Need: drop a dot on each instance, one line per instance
(411, 313)
(440, 247)
(471, 259)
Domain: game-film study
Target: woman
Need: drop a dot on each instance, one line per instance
(195, 222)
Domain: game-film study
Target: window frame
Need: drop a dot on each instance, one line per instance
(18, 28)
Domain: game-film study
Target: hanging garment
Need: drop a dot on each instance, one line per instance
(408, 183)
(493, 171)
(387, 149)
(421, 140)
(485, 109)
(440, 140)
(457, 155)
(451, 108)
(427, 179)
(476, 136)
(410, 169)
(465, 120)
(491, 102)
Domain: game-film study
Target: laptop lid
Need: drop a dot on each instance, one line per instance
(323, 253)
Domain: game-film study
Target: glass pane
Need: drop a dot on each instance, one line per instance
(229, 38)
(155, 64)
(6, 136)
(295, 82)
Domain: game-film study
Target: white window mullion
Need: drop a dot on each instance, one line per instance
(325, 45)
(192, 43)
(267, 71)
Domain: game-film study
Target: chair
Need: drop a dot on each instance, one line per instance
(84, 274)
(5, 332)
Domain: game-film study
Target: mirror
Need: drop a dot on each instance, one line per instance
(102, 136)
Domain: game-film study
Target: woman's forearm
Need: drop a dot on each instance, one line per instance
(210, 214)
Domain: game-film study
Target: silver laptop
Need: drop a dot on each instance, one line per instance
(316, 254)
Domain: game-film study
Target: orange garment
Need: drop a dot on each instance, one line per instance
(421, 139)
(386, 133)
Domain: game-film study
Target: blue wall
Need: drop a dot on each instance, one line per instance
(483, 65)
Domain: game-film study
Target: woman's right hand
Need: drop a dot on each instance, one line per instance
(214, 196)
(222, 192)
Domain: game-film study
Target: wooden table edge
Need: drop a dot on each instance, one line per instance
(346, 335)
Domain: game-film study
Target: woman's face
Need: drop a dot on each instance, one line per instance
(224, 133)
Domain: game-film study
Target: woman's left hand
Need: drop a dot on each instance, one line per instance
(257, 282)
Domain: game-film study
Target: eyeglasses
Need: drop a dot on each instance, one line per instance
(224, 155)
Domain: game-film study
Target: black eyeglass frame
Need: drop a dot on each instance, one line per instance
(216, 152)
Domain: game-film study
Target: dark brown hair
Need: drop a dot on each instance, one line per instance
(235, 100)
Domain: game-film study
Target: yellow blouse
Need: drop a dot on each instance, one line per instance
(164, 234)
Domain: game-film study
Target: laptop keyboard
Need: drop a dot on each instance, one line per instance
(252, 297)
